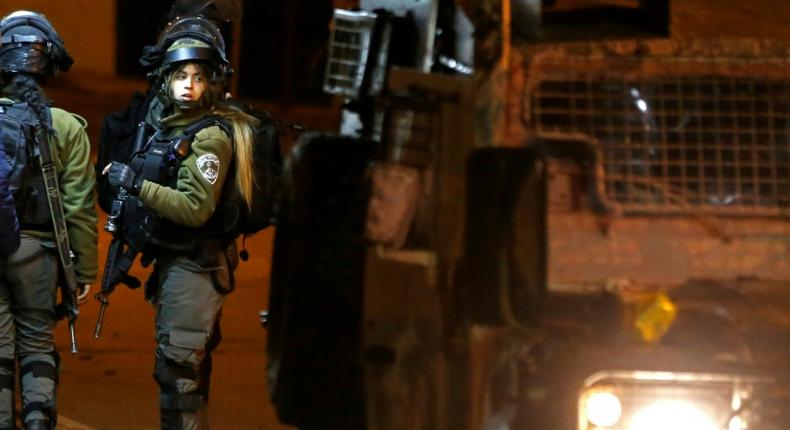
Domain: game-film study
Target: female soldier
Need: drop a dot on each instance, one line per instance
(31, 51)
(184, 177)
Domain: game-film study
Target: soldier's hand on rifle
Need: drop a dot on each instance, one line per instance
(82, 293)
(121, 175)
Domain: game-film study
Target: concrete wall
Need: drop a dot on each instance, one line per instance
(87, 26)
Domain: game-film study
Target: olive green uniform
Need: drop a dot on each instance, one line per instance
(188, 296)
(28, 279)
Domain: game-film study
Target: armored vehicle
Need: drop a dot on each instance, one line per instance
(540, 215)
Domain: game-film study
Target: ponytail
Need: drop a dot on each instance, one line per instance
(25, 88)
(243, 140)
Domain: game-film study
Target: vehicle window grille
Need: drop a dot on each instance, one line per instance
(349, 48)
(679, 144)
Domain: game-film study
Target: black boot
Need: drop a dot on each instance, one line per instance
(170, 419)
(42, 424)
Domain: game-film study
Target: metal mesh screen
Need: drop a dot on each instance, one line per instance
(349, 47)
(679, 144)
(410, 135)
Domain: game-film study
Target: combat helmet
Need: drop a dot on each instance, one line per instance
(30, 44)
(187, 38)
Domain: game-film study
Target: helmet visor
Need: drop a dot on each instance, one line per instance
(194, 27)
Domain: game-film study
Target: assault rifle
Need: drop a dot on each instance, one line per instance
(124, 247)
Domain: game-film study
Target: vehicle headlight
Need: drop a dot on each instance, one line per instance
(672, 414)
(603, 408)
(663, 400)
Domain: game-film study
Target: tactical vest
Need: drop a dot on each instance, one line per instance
(159, 162)
(18, 131)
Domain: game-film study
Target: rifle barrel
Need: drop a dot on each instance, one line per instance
(73, 337)
(103, 299)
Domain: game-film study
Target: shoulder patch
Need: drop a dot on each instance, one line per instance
(208, 165)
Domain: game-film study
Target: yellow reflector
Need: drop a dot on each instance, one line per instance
(656, 318)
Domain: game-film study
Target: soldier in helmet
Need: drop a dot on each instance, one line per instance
(32, 51)
(178, 188)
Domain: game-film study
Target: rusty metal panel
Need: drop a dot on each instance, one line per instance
(440, 214)
(664, 251)
(402, 338)
(395, 192)
(591, 250)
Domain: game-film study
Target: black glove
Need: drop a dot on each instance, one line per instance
(121, 175)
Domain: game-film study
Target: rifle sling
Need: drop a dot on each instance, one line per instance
(56, 208)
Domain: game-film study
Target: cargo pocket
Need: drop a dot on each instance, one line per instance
(186, 345)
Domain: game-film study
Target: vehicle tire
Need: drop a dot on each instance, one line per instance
(314, 335)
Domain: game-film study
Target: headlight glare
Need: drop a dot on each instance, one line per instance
(672, 414)
(603, 409)
(736, 423)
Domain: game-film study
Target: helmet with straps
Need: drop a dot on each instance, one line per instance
(188, 39)
(30, 44)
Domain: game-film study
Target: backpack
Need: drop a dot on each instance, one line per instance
(268, 167)
(117, 140)
(9, 224)
(18, 125)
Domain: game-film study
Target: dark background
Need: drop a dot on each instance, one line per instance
(277, 42)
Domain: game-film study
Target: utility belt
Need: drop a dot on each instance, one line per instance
(207, 254)
(143, 230)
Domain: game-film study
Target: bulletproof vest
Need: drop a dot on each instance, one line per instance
(159, 162)
(117, 143)
(18, 130)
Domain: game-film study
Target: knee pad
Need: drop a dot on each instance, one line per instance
(46, 365)
(178, 385)
(40, 366)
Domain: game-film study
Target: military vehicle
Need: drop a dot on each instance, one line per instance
(540, 215)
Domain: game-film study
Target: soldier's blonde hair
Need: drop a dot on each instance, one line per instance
(242, 123)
